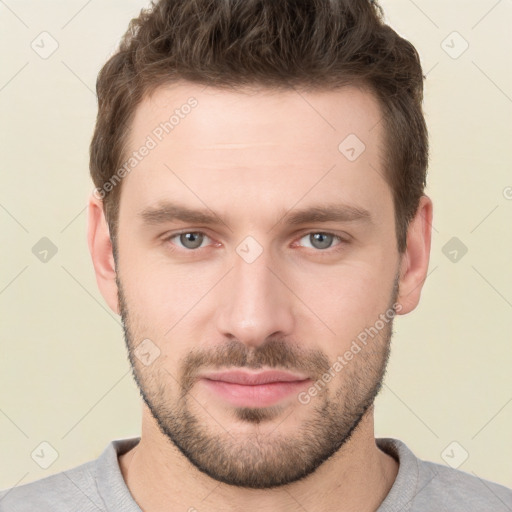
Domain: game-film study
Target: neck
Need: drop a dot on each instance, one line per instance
(159, 477)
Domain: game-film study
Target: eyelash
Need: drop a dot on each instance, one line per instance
(326, 252)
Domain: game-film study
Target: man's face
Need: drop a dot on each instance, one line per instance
(255, 291)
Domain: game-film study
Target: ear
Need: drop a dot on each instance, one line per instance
(100, 247)
(414, 261)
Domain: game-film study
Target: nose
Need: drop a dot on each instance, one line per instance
(255, 302)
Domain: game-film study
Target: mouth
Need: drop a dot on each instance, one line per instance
(254, 389)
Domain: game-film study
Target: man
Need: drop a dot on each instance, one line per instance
(259, 219)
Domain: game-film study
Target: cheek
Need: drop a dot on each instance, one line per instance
(163, 296)
(349, 298)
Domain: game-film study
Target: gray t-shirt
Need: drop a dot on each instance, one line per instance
(98, 485)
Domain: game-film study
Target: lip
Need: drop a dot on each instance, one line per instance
(249, 389)
(254, 378)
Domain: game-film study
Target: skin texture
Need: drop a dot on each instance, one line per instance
(252, 157)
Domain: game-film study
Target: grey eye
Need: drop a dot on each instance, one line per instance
(191, 240)
(320, 240)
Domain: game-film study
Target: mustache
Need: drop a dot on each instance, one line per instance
(274, 354)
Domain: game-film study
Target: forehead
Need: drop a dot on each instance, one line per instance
(250, 145)
(247, 116)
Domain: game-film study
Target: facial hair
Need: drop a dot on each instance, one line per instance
(255, 460)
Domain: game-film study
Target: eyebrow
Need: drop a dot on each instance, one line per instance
(167, 212)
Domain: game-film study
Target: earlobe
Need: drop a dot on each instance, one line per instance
(100, 247)
(415, 260)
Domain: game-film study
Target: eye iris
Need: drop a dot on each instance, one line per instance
(195, 238)
(324, 240)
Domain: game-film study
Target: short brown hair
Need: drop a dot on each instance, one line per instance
(282, 44)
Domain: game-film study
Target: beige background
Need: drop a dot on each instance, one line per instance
(65, 378)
